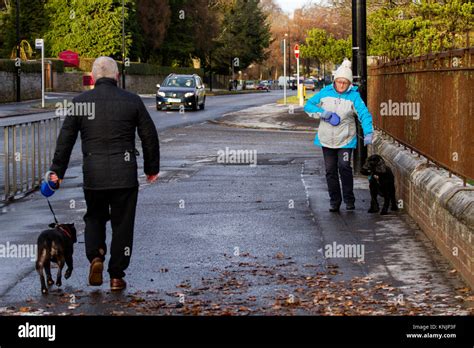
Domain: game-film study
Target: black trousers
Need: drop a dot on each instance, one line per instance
(338, 162)
(118, 206)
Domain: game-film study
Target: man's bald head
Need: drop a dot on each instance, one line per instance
(104, 67)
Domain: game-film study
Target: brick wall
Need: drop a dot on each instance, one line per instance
(440, 205)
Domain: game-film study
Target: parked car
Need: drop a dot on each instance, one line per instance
(181, 90)
(282, 80)
(250, 84)
(309, 84)
(293, 85)
(263, 87)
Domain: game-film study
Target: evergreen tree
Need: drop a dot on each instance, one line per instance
(245, 34)
(92, 28)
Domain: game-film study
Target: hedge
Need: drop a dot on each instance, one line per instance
(85, 65)
(30, 66)
(149, 69)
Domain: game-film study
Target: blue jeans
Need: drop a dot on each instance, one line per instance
(338, 162)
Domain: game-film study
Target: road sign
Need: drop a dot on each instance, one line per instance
(39, 44)
(297, 51)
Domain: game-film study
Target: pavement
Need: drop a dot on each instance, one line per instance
(31, 107)
(215, 237)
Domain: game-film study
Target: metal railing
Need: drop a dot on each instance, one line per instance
(28, 149)
(433, 94)
(429, 158)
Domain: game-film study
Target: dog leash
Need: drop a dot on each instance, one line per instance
(52, 211)
(63, 229)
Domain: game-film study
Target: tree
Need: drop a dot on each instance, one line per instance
(415, 28)
(33, 21)
(92, 28)
(245, 34)
(316, 46)
(272, 67)
(154, 18)
(178, 47)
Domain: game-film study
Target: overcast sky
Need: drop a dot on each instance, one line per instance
(291, 5)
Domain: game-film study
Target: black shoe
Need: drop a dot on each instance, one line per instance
(334, 208)
(350, 206)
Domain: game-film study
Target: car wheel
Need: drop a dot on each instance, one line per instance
(158, 108)
(203, 105)
(195, 105)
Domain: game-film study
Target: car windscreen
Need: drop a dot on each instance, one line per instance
(184, 82)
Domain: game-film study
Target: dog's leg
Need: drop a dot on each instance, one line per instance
(394, 205)
(374, 205)
(47, 268)
(386, 203)
(60, 270)
(69, 267)
(42, 256)
(40, 270)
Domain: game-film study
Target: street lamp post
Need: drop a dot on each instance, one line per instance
(355, 40)
(210, 70)
(18, 60)
(123, 44)
(359, 63)
(284, 70)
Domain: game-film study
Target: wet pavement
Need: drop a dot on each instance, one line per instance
(215, 238)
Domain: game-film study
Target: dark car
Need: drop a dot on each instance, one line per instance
(181, 90)
(293, 85)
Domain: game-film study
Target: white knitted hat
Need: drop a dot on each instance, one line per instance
(344, 70)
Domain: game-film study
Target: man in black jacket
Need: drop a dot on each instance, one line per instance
(109, 165)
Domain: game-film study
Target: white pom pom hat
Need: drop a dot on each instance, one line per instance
(344, 71)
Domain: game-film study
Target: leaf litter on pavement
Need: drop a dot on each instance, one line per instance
(274, 287)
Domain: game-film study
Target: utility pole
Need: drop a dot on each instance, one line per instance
(18, 59)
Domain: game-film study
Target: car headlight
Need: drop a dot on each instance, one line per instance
(189, 94)
(161, 94)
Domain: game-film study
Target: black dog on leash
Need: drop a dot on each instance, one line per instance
(55, 245)
(381, 182)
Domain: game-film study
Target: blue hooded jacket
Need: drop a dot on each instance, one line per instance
(346, 105)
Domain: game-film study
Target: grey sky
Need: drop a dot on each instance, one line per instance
(291, 5)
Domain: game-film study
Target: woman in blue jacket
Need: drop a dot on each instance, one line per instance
(336, 105)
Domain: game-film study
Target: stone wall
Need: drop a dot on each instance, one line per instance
(73, 82)
(68, 82)
(30, 86)
(441, 206)
(143, 84)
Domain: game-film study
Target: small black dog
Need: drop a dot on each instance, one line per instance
(55, 245)
(381, 182)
